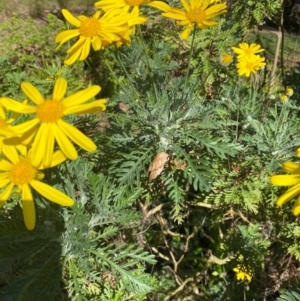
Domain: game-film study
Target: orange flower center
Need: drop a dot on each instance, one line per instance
(196, 15)
(248, 51)
(135, 2)
(22, 173)
(90, 27)
(50, 111)
(3, 124)
(251, 66)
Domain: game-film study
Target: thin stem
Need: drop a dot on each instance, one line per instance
(190, 57)
(126, 72)
(142, 44)
(107, 65)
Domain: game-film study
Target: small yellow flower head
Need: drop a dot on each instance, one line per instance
(226, 59)
(250, 64)
(289, 91)
(298, 152)
(245, 49)
(293, 179)
(243, 273)
(284, 98)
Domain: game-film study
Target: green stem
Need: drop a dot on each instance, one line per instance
(190, 57)
(107, 65)
(124, 69)
(142, 44)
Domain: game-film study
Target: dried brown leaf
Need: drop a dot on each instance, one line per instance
(157, 165)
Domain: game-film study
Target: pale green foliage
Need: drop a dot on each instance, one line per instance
(215, 207)
(164, 114)
(77, 244)
(292, 232)
(252, 13)
(292, 294)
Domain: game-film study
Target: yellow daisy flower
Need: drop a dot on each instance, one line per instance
(289, 91)
(48, 125)
(284, 98)
(98, 31)
(195, 12)
(20, 174)
(226, 59)
(242, 273)
(250, 64)
(289, 180)
(247, 50)
(108, 5)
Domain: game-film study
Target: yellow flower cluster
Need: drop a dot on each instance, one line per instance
(248, 60)
(243, 273)
(115, 21)
(288, 93)
(193, 13)
(27, 148)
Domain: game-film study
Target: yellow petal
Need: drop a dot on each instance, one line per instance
(51, 193)
(291, 167)
(2, 114)
(76, 136)
(65, 36)
(15, 106)
(70, 18)
(185, 34)
(285, 180)
(92, 107)
(26, 138)
(22, 150)
(96, 43)
(288, 195)
(26, 194)
(39, 176)
(7, 131)
(32, 93)
(185, 5)
(60, 89)
(4, 182)
(5, 165)
(42, 147)
(85, 51)
(28, 208)
(296, 208)
(57, 158)
(11, 153)
(73, 55)
(26, 126)
(160, 5)
(64, 143)
(4, 196)
(81, 96)
(175, 14)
